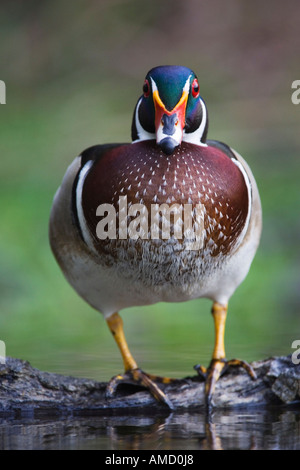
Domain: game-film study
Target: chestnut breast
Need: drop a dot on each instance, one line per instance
(191, 175)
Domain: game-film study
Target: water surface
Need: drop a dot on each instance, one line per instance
(272, 429)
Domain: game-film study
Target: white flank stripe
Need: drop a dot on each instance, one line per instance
(81, 219)
(249, 189)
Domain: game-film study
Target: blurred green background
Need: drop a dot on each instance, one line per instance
(73, 72)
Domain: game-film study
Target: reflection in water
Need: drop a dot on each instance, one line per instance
(267, 429)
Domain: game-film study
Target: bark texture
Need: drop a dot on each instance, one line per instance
(24, 389)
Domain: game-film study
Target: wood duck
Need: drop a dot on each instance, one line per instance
(169, 217)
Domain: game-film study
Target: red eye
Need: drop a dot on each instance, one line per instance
(146, 88)
(195, 88)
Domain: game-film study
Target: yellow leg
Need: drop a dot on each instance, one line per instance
(115, 324)
(219, 313)
(132, 372)
(218, 362)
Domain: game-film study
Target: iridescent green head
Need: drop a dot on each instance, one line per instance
(171, 109)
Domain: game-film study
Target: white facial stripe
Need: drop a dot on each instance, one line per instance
(204, 120)
(196, 136)
(142, 134)
(154, 87)
(187, 85)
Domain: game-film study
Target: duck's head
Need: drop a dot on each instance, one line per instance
(171, 109)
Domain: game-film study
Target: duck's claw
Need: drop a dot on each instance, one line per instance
(138, 377)
(215, 370)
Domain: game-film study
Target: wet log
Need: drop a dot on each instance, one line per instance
(26, 390)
